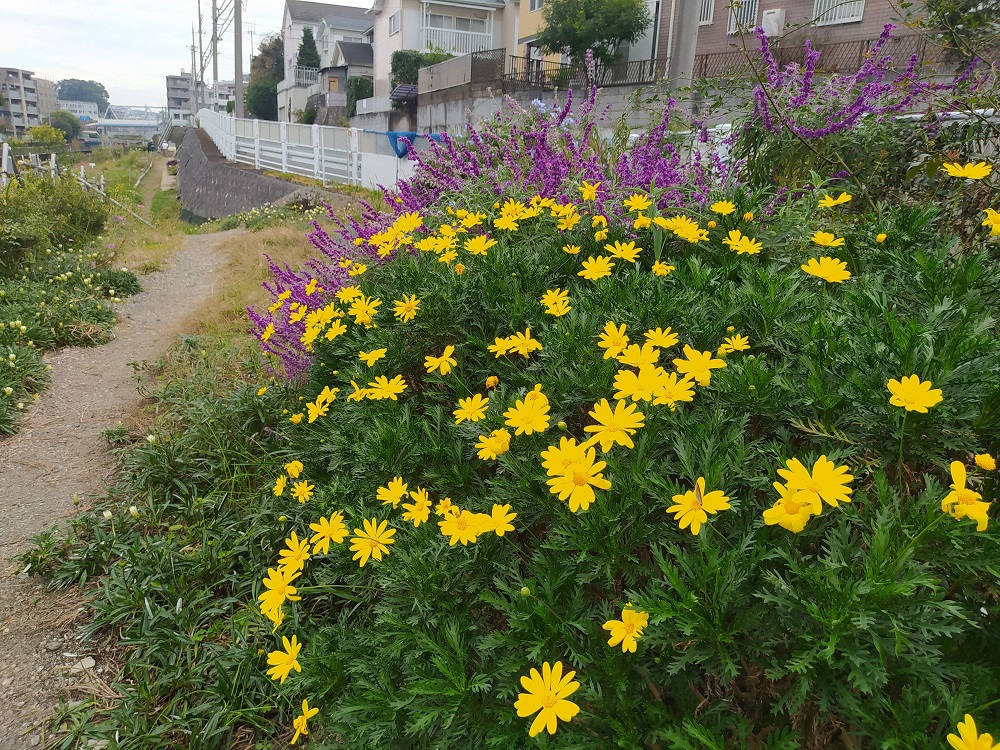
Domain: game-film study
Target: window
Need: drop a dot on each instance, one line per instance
(707, 13)
(535, 5)
(436, 21)
(828, 12)
(742, 16)
(394, 23)
(471, 24)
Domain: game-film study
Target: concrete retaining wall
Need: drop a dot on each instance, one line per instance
(209, 187)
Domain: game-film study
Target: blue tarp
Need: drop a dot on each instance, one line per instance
(400, 146)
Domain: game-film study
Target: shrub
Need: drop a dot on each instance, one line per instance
(358, 87)
(863, 625)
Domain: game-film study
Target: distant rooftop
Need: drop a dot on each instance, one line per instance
(309, 12)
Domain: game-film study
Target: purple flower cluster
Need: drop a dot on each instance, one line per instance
(520, 152)
(792, 100)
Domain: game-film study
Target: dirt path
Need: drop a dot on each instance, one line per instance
(59, 453)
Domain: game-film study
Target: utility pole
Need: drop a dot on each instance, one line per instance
(238, 43)
(194, 76)
(215, 41)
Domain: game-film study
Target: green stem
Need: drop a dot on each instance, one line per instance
(902, 431)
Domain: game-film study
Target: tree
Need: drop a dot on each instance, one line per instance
(574, 26)
(266, 69)
(966, 28)
(270, 59)
(308, 55)
(45, 136)
(75, 89)
(67, 122)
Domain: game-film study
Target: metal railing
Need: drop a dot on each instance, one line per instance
(454, 41)
(836, 57)
(306, 76)
(527, 74)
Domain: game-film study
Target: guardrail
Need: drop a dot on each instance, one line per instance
(346, 156)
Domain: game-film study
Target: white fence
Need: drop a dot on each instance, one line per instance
(348, 156)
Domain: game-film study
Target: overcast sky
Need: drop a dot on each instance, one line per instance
(128, 45)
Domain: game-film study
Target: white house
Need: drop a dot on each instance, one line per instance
(455, 26)
(329, 24)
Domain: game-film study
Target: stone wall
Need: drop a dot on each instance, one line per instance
(209, 187)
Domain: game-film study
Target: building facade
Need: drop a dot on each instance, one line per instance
(458, 27)
(180, 98)
(47, 100)
(19, 110)
(86, 111)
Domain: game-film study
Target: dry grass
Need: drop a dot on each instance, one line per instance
(245, 271)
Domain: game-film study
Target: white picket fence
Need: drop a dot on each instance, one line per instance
(349, 156)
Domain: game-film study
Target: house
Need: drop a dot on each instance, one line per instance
(19, 96)
(329, 24)
(532, 21)
(458, 27)
(843, 30)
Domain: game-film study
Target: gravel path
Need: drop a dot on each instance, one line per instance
(59, 453)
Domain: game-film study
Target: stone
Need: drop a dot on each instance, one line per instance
(84, 663)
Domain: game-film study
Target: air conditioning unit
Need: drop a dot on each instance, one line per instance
(773, 21)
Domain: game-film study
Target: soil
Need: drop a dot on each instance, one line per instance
(59, 454)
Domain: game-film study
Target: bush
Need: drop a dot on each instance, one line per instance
(405, 65)
(358, 87)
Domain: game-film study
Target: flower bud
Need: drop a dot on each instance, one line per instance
(525, 591)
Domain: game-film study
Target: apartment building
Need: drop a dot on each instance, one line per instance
(180, 98)
(84, 110)
(47, 100)
(20, 100)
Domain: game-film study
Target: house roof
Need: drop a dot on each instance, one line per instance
(350, 23)
(309, 12)
(357, 53)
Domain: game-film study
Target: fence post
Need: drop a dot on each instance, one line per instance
(283, 137)
(52, 166)
(353, 158)
(317, 144)
(256, 143)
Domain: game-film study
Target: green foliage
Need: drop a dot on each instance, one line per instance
(405, 65)
(262, 98)
(306, 116)
(358, 87)
(55, 288)
(75, 89)
(269, 62)
(967, 28)
(67, 122)
(230, 107)
(574, 26)
(307, 55)
(45, 137)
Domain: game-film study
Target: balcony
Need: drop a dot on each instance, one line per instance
(306, 76)
(455, 42)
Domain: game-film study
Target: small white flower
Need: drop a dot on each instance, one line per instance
(107, 515)
(151, 439)
(133, 511)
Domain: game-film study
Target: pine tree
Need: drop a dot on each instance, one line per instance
(308, 55)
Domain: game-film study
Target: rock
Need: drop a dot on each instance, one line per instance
(35, 740)
(84, 663)
(6, 682)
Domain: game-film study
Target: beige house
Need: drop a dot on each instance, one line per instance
(19, 109)
(458, 27)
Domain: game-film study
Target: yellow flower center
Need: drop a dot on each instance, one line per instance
(373, 543)
(792, 508)
(628, 627)
(550, 700)
(461, 524)
(967, 497)
(580, 479)
(813, 487)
